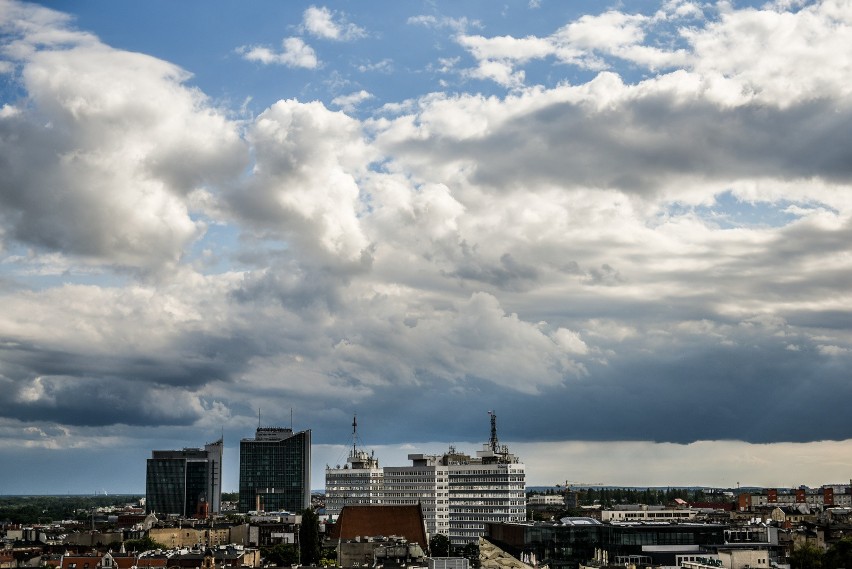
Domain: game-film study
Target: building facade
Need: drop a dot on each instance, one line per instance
(359, 482)
(489, 488)
(275, 471)
(185, 482)
(425, 482)
(580, 541)
(459, 494)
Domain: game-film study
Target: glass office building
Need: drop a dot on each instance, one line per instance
(573, 542)
(275, 471)
(185, 482)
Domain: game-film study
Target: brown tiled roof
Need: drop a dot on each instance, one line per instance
(152, 562)
(124, 561)
(81, 561)
(371, 521)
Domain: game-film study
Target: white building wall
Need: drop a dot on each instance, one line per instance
(647, 515)
(481, 493)
(424, 485)
(744, 559)
(457, 499)
(358, 486)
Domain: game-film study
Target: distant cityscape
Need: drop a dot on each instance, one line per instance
(453, 510)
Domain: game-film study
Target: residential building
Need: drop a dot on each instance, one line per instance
(546, 500)
(180, 537)
(275, 471)
(362, 532)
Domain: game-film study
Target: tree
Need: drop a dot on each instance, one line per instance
(144, 544)
(329, 557)
(471, 553)
(839, 555)
(806, 556)
(309, 538)
(439, 545)
(281, 555)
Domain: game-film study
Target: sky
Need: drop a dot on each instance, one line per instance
(625, 227)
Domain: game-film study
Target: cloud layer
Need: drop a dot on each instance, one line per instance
(655, 259)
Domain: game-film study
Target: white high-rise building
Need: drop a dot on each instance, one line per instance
(458, 493)
(483, 491)
(358, 482)
(425, 482)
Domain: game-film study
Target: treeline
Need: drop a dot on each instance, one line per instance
(650, 496)
(45, 509)
(608, 497)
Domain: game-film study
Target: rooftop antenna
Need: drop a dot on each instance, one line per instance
(493, 441)
(258, 417)
(291, 418)
(354, 432)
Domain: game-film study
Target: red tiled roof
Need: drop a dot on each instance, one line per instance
(152, 562)
(81, 561)
(124, 562)
(371, 521)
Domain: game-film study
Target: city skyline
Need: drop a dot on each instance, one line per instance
(624, 227)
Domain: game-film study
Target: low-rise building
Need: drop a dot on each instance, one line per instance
(643, 513)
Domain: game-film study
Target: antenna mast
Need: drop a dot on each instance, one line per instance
(493, 441)
(354, 432)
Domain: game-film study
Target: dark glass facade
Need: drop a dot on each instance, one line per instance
(178, 481)
(165, 486)
(567, 546)
(275, 471)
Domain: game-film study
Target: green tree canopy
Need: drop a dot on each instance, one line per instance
(439, 545)
(471, 553)
(144, 544)
(309, 538)
(806, 556)
(839, 555)
(281, 555)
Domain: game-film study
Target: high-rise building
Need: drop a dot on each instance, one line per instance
(275, 470)
(488, 488)
(458, 493)
(425, 482)
(186, 482)
(358, 482)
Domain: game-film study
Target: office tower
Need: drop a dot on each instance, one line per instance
(425, 482)
(186, 482)
(458, 493)
(488, 488)
(275, 470)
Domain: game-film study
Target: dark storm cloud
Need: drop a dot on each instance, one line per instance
(643, 143)
(757, 394)
(76, 402)
(195, 360)
(91, 388)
